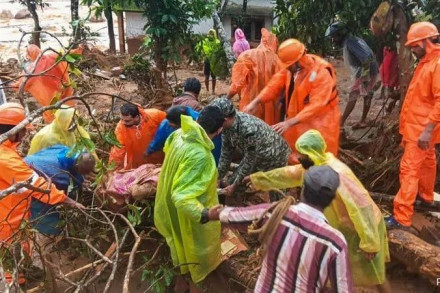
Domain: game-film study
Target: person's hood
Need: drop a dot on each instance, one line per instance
(63, 118)
(193, 132)
(312, 144)
(239, 35)
(32, 52)
(213, 32)
(269, 40)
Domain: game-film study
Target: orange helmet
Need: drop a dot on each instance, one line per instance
(420, 31)
(12, 114)
(290, 51)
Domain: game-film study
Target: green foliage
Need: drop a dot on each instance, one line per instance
(139, 69)
(428, 10)
(160, 278)
(308, 20)
(169, 24)
(102, 169)
(134, 214)
(111, 139)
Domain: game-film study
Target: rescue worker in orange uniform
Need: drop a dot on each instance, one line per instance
(135, 131)
(250, 74)
(419, 125)
(14, 207)
(54, 83)
(311, 98)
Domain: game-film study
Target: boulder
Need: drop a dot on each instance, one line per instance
(6, 14)
(22, 14)
(116, 71)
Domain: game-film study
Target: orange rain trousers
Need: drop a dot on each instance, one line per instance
(420, 108)
(418, 170)
(313, 102)
(54, 83)
(135, 141)
(14, 208)
(252, 72)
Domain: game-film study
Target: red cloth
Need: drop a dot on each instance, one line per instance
(389, 69)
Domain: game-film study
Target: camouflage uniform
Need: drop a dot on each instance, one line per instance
(262, 148)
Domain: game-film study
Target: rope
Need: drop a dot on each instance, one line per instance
(267, 230)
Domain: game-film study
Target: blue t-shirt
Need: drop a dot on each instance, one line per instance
(360, 53)
(54, 163)
(164, 131)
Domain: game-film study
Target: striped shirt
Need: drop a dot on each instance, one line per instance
(305, 251)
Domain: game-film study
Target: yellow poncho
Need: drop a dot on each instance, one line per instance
(352, 212)
(187, 184)
(57, 132)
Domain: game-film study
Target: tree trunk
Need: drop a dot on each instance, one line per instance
(160, 63)
(225, 42)
(74, 14)
(406, 69)
(31, 6)
(111, 32)
(121, 32)
(243, 13)
(418, 205)
(418, 256)
(223, 8)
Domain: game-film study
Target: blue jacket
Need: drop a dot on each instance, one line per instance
(54, 163)
(164, 131)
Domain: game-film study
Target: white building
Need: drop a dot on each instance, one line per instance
(259, 14)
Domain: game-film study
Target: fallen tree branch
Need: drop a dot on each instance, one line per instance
(418, 205)
(417, 255)
(25, 184)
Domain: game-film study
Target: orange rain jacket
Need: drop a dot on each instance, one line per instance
(252, 71)
(421, 107)
(314, 101)
(135, 141)
(54, 83)
(14, 208)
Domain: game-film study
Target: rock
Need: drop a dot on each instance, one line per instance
(102, 73)
(122, 77)
(94, 18)
(116, 71)
(6, 14)
(22, 14)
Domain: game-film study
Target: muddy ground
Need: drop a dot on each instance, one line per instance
(401, 280)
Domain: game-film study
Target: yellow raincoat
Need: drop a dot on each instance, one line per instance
(187, 185)
(352, 212)
(57, 132)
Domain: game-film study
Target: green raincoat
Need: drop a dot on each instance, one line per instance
(187, 185)
(213, 50)
(352, 212)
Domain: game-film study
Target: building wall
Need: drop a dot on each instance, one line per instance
(134, 24)
(203, 26)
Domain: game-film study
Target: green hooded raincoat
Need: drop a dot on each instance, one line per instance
(187, 184)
